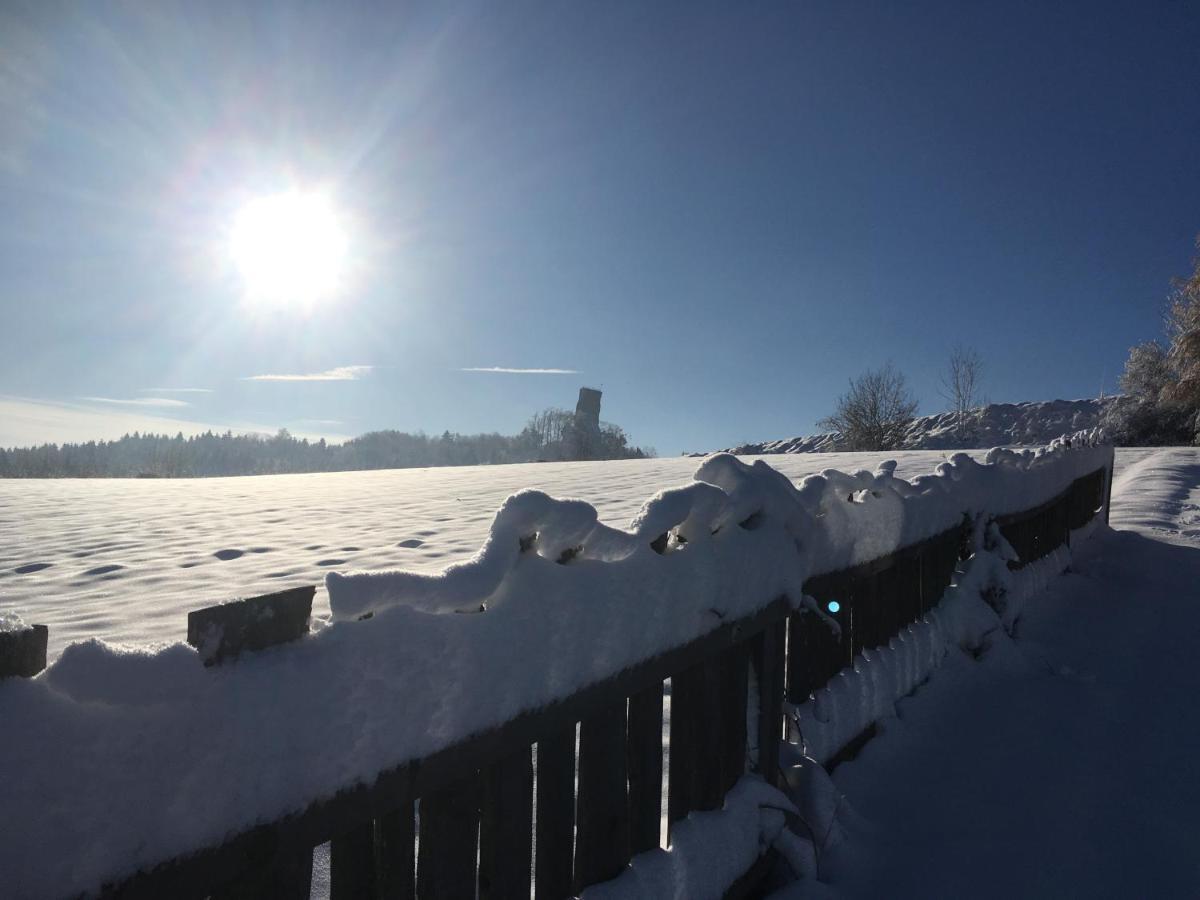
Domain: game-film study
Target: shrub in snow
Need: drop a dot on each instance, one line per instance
(874, 413)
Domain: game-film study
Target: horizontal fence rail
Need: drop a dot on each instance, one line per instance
(563, 797)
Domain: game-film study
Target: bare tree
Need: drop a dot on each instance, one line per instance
(874, 413)
(960, 386)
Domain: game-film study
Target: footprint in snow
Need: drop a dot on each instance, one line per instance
(103, 570)
(31, 567)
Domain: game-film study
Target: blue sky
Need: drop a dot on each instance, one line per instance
(716, 213)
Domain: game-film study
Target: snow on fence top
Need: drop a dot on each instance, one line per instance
(116, 759)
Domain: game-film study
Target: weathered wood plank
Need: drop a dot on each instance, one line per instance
(506, 827)
(224, 631)
(23, 652)
(396, 864)
(555, 814)
(602, 806)
(446, 857)
(644, 755)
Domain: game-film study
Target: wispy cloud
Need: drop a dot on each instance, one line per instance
(505, 370)
(158, 402)
(175, 390)
(341, 373)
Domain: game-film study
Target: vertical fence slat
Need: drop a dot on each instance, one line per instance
(352, 863)
(555, 814)
(908, 582)
(864, 616)
(645, 763)
(816, 652)
(686, 690)
(395, 844)
(734, 684)
(449, 827)
(506, 827)
(767, 657)
(602, 810)
(710, 722)
(887, 602)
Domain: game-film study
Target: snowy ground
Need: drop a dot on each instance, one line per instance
(1061, 764)
(127, 559)
(103, 727)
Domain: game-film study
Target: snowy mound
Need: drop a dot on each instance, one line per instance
(994, 425)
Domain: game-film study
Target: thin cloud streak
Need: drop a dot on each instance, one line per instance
(139, 401)
(504, 370)
(341, 373)
(175, 390)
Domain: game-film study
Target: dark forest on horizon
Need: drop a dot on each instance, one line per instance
(551, 435)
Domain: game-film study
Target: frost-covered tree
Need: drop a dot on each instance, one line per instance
(874, 413)
(1183, 329)
(1162, 382)
(1147, 372)
(961, 385)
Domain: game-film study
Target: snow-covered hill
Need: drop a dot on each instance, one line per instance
(994, 425)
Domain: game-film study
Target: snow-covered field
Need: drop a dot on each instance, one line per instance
(104, 729)
(127, 559)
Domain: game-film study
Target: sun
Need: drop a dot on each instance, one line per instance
(289, 248)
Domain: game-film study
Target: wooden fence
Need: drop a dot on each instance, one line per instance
(563, 797)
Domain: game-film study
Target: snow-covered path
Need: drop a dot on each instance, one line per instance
(1065, 763)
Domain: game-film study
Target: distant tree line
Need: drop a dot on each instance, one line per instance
(549, 435)
(1161, 381)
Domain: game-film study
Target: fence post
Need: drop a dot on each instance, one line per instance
(23, 651)
(221, 633)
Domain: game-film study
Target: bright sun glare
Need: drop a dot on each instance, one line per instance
(289, 248)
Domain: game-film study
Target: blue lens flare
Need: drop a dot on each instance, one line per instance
(834, 606)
